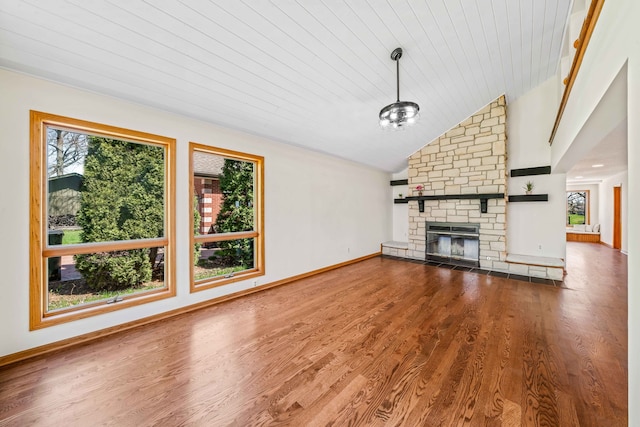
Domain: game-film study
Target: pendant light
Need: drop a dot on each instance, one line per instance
(400, 113)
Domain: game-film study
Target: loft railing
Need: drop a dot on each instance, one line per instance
(582, 42)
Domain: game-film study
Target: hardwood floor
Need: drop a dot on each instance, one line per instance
(381, 342)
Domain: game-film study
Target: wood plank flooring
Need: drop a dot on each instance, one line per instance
(378, 343)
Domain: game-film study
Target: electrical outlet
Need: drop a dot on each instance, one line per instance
(255, 283)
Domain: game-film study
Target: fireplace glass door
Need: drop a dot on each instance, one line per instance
(456, 243)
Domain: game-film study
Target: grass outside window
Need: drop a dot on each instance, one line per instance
(577, 207)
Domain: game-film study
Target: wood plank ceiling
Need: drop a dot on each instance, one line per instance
(309, 73)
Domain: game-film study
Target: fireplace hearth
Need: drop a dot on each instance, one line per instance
(453, 243)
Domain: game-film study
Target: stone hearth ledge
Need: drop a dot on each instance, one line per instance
(395, 248)
(525, 265)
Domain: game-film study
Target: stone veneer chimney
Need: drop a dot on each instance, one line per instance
(469, 159)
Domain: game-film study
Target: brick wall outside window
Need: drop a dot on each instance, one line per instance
(209, 201)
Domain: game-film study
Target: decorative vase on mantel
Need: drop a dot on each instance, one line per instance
(419, 189)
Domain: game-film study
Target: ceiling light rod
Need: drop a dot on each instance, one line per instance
(396, 55)
(400, 113)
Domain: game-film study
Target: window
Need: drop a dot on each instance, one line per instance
(102, 222)
(227, 216)
(577, 207)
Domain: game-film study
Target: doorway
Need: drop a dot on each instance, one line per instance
(617, 218)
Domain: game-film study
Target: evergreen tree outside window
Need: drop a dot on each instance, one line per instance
(101, 218)
(228, 188)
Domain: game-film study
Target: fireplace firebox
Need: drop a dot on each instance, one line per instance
(453, 243)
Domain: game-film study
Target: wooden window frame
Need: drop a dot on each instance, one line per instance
(257, 234)
(39, 316)
(586, 208)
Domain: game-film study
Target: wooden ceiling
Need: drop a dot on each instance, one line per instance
(309, 73)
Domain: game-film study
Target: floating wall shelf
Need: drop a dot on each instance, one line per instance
(459, 196)
(540, 170)
(400, 182)
(529, 198)
(483, 199)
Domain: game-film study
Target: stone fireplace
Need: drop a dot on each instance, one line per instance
(462, 165)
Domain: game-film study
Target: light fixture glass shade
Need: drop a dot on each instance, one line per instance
(399, 114)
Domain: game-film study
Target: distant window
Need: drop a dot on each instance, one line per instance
(228, 242)
(577, 207)
(101, 221)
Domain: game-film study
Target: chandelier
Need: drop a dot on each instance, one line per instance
(400, 113)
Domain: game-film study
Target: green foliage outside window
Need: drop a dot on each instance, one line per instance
(237, 212)
(196, 230)
(122, 199)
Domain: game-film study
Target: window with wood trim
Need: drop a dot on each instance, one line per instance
(102, 219)
(577, 207)
(226, 216)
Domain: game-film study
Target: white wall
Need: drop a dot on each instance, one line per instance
(594, 200)
(534, 228)
(319, 210)
(606, 209)
(529, 121)
(633, 246)
(401, 210)
(538, 228)
(615, 41)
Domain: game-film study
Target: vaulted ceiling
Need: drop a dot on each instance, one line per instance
(309, 73)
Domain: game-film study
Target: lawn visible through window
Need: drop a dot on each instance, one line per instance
(224, 259)
(577, 207)
(68, 287)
